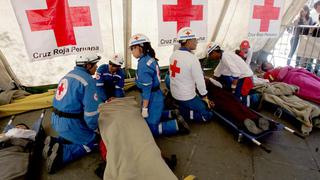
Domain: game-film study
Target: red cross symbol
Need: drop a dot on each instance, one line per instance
(182, 13)
(60, 89)
(61, 19)
(174, 68)
(266, 13)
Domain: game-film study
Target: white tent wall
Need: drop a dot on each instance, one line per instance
(119, 19)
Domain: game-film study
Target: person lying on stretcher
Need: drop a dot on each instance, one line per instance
(20, 131)
(227, 104)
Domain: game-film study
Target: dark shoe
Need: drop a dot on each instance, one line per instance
(251, 126)
(171, 162)
(264, 124)
(182, 125)
(52, 160)
(175, 113)
(48, 143)
(100, 169)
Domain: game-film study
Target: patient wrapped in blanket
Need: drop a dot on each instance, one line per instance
(132, 151)
(229, 105)
(15, 148)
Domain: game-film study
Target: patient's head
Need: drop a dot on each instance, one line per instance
(22, 126)
(266, 66)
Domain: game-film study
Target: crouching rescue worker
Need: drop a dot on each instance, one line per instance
(186, 76)
(232, 72)
(110, 79)
(148, 81)
(75, 115)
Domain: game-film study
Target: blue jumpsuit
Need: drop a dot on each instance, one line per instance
(193, 109)
(108, 84)
(148, 81)
(227, 80)
(76, 94)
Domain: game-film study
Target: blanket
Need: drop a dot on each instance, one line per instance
(7, 97)
(308, 83)
(226, 103)
(132, 151)
(14, 158)
(282, 94)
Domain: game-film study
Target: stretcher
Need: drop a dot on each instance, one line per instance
(283, 113)
(19, 157)
(243, 134)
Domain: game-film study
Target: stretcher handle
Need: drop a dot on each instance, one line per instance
(265, 149)
(294, 132)
(11, 119)
(260, 145)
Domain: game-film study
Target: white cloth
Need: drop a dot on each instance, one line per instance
(232, 65)
(21, 133)
(215, 82)
(183, 84)
(257, 80)
(249, 56)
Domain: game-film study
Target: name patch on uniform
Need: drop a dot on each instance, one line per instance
(95, 96)
(150, 61)
(62, 89)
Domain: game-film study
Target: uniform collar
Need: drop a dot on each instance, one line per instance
(142, 56)
(184, 49)
(80, 68)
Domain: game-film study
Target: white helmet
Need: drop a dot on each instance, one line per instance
(212, 46)
(87, 59)
(138, 39)
(117, 59)
(185, 34)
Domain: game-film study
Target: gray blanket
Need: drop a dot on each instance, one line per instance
(131, 150)
(14, 158)
(282, 94)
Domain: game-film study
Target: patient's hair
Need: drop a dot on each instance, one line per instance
(316, 4)
(22, 126)
(264, 66)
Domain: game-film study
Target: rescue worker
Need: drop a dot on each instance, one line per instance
(148, 81)
(245, 51)
(232, 72)
(110, 79)
(186, 76)
(75, 115)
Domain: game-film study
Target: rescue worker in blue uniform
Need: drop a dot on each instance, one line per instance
(110, 79)
(148, 81)
(75, 115)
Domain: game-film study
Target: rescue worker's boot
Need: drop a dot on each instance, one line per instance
(100, 169)
(48, 143)
(251, 126)
(263, 124)
(55, 158)
(182, 125)
(174, 113)
(171, 162)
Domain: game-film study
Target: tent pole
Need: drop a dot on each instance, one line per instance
(112, 28)
(127, 20)
(221, 17)
(3, 59)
